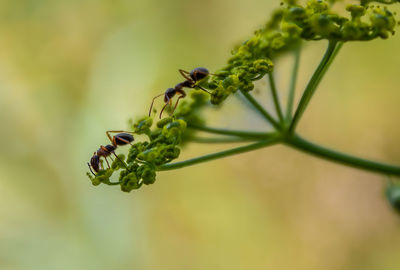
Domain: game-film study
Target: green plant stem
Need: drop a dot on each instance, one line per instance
(220, 131)
(221, 140)
(113, 183)
(293, 81)
(275, 96)
(320, 151)
(261, 109)
(218, 155)
(319, 73)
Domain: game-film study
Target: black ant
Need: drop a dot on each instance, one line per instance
(192, 78)
(105, 151)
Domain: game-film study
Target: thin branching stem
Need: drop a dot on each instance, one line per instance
(237, 133)
(218, 155)
(221, 140)
(319, 73)
(275, 96)
(113, 183)
(293, 81)
(346, 159)
(261, 110)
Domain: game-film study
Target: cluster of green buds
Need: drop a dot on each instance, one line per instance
(291, 23)
(161, 146)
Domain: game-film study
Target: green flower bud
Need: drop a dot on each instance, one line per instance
(170, 152)
(292, 30)
(220, 94)
(146, 173)
(323, 25)
(392, 193)
(135, 150)
(143, 125)
(356, 11)
(164, 121)
(263, 66)
(174, 130)
(103, 176)
(130, 182)
(317, 6)
(296, 14)
(149, 155)
(232, 80)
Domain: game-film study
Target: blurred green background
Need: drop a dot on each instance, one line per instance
(70, 70)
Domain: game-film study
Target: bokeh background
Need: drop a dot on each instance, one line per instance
(70, 70)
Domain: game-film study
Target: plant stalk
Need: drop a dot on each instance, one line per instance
(293, 81)
(319, 73)
(275, 96)
(221, 140)
(261, 110)
(332, 155)
(237, 133)
(218, 155)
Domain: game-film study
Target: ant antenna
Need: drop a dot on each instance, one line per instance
(151, 107)
(166, 104)
(90, 168)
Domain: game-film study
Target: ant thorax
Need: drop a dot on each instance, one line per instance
(183, 84)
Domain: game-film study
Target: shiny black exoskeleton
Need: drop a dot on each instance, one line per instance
(122, 139)
(94, 163)
(105, 151)
(192, 78)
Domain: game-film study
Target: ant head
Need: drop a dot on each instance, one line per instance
(95, 162)
(169, 93)
(122, 139)
(199, 73)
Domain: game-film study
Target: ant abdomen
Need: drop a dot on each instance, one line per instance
(95, 163)
(123, 138)
(199, 73)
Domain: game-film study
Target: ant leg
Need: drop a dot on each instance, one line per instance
(176, 104)
(184, 73)
(90, 168)
(151, 107)
(201, 88)
(107, 162)
(120, 160)
(166, 103)
(183, 94)
(163, 109)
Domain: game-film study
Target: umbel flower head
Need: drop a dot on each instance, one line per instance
(293, 23)
(288, 26)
